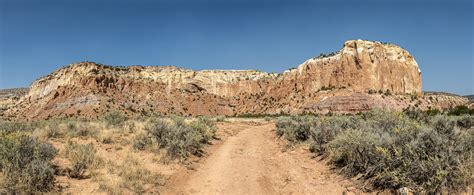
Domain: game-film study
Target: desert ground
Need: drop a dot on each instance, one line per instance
(246, 158)
(252, 160)
(352, 154)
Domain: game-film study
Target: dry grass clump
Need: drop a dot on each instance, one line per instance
(100, 130)
(16, 126)
(129, 126)
(78, 129)
(105, 136)
(390, 149)
(26, 163)
(129, 175)
(135, 177)
(82, 157)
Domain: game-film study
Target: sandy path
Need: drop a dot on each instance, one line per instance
(252, 162)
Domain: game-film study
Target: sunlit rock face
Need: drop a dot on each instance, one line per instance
(89, 89)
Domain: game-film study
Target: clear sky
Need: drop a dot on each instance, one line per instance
(39, 36)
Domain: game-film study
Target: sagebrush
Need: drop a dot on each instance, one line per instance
(82, 157)
(177, 137)
(391, 149)
(26, 163)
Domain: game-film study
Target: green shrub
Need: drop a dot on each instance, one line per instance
(205, 127)
(282, 125)
(441, 157)
(317, 130)
(327, 128)
(393, 150)
(38, 176)
(141, 141)
(26, 163)
(460, 110)
(295, 129)
(115, 118)
(160, 130)
(82, 156)
(414, 113)
(398, 153)
(465, 122)
(354, 150)
(180, 139)
(433, 112)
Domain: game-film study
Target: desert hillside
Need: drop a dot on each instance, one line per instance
(145, 132)
(359, 77)
(8, 97)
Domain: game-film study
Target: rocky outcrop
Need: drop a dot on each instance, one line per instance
(336, 82)
(8, 97)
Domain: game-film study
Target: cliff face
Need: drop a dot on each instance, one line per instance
(363, 66)
(88, 89)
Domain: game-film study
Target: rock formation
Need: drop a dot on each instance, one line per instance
(339, 82)
(8, 97)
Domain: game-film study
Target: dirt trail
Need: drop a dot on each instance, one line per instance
(252, 162)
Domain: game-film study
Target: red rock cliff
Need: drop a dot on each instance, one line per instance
(88, 89)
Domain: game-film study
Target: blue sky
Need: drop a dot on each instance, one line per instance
(39, 36)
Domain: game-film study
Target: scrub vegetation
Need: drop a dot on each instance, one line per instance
(391, 149)
(40, 156)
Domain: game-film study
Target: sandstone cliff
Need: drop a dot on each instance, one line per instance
(337, 82)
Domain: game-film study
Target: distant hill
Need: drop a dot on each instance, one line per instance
(13, 92)
(439, 93)
(470, 97)
(8, 97)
